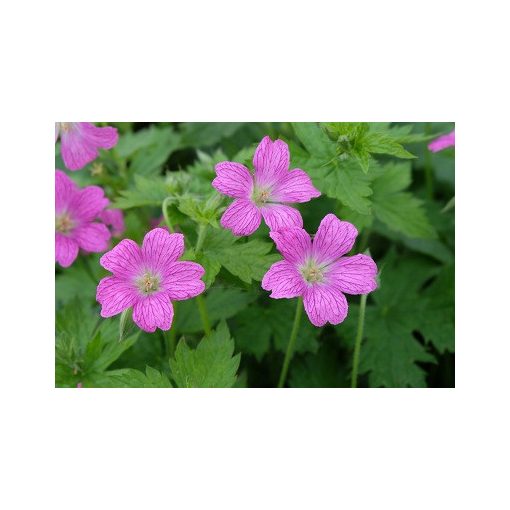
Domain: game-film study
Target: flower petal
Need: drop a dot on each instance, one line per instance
(66, 250)
(81, 141)
(293, 243)
(271, 161)
(295, 186)
(65, 189)
(92, 237)
(233, 180)
(160, 248)
(353, 275)
(334, 238)
(124, 260)
(115, 295)
(182, 280)
(324, 303)
(443, 142)
(88, 203)
(279, 216)
(153, 311)
(242, 217)
(114, 218)
(284, 280)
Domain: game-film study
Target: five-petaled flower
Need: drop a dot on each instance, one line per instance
(75, 213)
(318, 270)
(80, 142)
(264, 193)
(443, 142)
(148, 278)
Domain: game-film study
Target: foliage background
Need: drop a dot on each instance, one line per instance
(379, 176)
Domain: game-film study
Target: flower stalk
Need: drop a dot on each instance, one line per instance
(202, 308)
(292, 342)
(357, 343)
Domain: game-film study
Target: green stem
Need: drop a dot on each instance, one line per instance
(202, 309)
(164, 208)
(292, 341)
(201, 236)
(364, 240)
(357, 344)
(429, 172)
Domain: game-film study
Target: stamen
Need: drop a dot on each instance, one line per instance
(312, 273)
(148, 283)
(64, 224)
(261, 195)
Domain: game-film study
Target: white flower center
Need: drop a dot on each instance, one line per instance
(261, 195)
(66, 126)
(148, 283)
(63, 223)
(311, 272)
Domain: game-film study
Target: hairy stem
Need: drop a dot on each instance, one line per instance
(202, 309)
(164, 209)
(292, 341)
(201, 237)
(357, 344)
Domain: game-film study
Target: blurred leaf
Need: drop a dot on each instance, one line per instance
(146, 191)
(220, 303)
(321, 370)
(257, 325)
(211, 365)
(205, 134)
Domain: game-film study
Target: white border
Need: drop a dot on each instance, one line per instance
(247, 449)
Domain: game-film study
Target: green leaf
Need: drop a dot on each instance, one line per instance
(211, 365)
(382, 143)
(390, 351)
(149, 161)
(132, 378)
(346, 182)
(221, 303)
(315, 141)
(248, 260)
(146, 191)
(321, 370)
(86, 345)
(205, 134)
(399, 210)
(257, 325)
(438, 323)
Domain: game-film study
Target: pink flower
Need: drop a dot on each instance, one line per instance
(75, 212)
(318, 271)
(148, 278)
(266, 192)
(80, 142)
(443, 142)
(114, 218)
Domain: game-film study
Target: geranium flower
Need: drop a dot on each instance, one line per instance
(114, 219)
(75, 213)
(148, 278)
(266, 193)
(80, 142)
(443, 142)
(318, 270)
